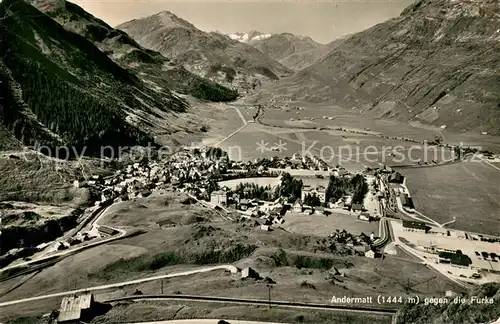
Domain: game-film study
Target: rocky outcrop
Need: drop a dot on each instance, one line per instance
(35, 230)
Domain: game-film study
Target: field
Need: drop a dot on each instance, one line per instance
(355, 121)
(323, 226)
(353, 151)
(469, 191)
(346, 119)
(254, 141)
(222, 121)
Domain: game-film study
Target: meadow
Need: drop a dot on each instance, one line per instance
(468, 191)
(323, 226)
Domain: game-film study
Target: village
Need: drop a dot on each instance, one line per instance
(264, 193)
(201, 173)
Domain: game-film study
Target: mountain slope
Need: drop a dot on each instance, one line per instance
(294, 52)
(59, 89)
(207, 54)
(152, 66)
(436, 63)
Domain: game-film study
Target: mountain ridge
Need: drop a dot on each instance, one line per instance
(293, 51)
(156, 69)
(211, 55)
(435, 63)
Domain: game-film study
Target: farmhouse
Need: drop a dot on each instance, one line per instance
(249, 273)
(265, 228)
(370, 254)
(361, 249)
(75, 308)
(414, 226)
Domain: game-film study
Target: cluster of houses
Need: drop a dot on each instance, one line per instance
(346, 243)
(140, 179)
(309, 162)
(192, 171)
(295, 162)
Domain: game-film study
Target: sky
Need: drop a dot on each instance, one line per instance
(323, 20)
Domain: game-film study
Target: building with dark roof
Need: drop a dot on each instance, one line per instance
(414, 226)
(396, 177)
(107, 230)
(357, 207)
(406, 201)
(455, 259)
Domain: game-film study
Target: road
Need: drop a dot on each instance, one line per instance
(245, 123)
(490, 164)
(70, 251)
(229, 268)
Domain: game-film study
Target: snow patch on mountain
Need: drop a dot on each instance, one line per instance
(248, 37)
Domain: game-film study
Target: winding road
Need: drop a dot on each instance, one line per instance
(57, 256)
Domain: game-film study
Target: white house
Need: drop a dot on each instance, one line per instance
(370, 254)
(218, 197)
(297, 207)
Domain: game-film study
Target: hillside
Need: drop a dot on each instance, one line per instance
(58, 88)
(294, 52)
(156, 69)
(436, 63)
(468, 312)
(207, 54)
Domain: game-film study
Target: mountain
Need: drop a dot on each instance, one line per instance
(436, 63)
(208, 54)
(249, 37)
(294, 52)
(57, 88)
(153, 67)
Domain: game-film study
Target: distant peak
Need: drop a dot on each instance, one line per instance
(166, 13)
(169, 19)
